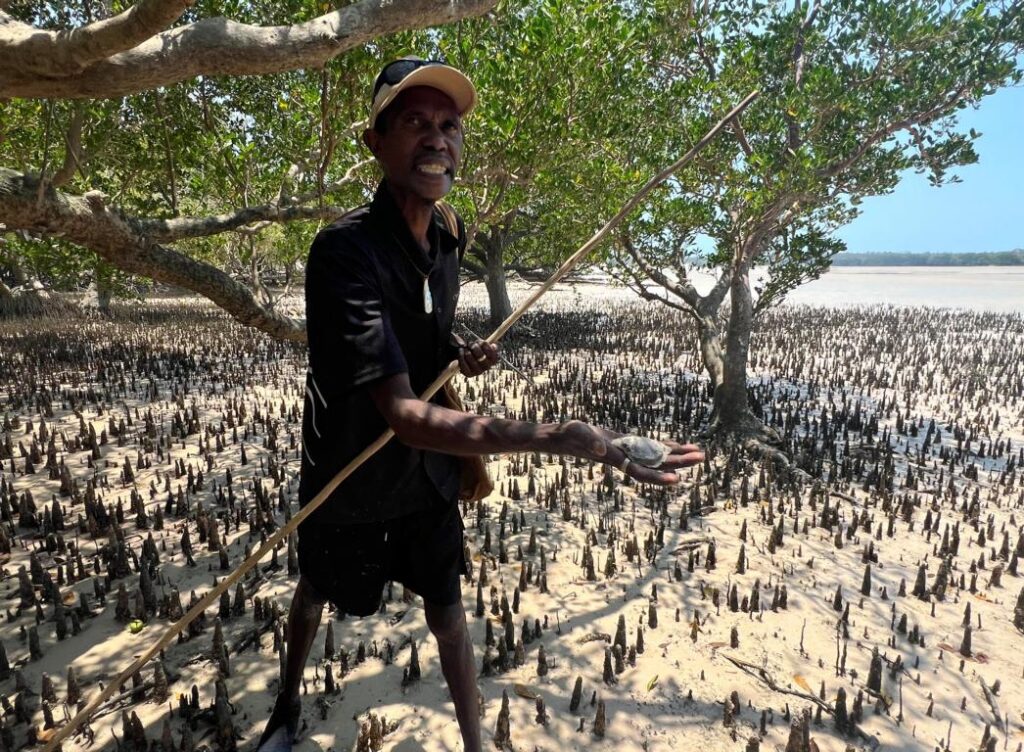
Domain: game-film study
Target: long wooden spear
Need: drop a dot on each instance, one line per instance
(453, 368)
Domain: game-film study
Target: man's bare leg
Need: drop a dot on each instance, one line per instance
(448, 625)
(303, 620)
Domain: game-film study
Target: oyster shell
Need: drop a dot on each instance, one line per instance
(642, 450)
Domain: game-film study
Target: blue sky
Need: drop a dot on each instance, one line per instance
(983, 213)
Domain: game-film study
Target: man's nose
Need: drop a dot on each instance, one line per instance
(433, 137)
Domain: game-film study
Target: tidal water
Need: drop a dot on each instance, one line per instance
(998, 289)
(980, 288)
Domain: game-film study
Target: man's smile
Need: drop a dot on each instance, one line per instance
(433, 167)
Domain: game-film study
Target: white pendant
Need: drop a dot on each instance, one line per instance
(428, 299)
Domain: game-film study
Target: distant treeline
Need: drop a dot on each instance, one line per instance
(1001, 258)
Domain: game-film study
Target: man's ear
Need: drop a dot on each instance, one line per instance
(372, 140)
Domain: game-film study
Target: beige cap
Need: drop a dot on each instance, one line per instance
(406, 72)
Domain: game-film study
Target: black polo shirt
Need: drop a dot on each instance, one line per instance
(365, 321)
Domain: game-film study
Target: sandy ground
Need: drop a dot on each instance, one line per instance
(676, 694)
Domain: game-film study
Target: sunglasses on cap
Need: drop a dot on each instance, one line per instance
(394, 72)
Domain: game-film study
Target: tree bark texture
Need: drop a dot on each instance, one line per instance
(725, 351)
(94, 61)
(709, 340)
(732, 405)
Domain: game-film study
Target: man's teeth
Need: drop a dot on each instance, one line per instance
(432, 169)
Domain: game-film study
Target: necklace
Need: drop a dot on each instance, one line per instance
(428, 299)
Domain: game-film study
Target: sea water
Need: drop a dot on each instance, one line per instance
(980, 288)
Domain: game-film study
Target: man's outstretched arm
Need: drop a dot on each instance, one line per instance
(428, 426)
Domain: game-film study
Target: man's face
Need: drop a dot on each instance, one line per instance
(421, 148)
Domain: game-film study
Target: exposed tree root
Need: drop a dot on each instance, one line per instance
(784, 467)
(765, 678)
(32, 303)
(990, 698)
(759, 441)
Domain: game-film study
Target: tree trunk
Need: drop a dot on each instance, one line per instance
(496, 283)
(104, 294)
(731, 413)
(709, 339)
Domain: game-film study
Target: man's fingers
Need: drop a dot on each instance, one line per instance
(688, 459)
(477, 357)
(468, 365)
(677, 448)
(646, 474)
(484, 352)
(682, 455)
(480, 356)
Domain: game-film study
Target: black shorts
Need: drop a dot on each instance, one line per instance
(350, 564)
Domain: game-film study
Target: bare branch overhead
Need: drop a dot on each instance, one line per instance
(87, 221)
(681, 288)
(57, 53)
(52, 66)
(180, 228)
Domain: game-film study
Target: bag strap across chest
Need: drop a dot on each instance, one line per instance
(451, 222)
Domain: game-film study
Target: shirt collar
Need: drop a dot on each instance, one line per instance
(386, 215)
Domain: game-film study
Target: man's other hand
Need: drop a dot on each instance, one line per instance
(475, 357)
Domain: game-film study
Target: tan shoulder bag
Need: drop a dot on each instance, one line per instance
(474, 483)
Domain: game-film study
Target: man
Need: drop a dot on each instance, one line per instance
(381, 290)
